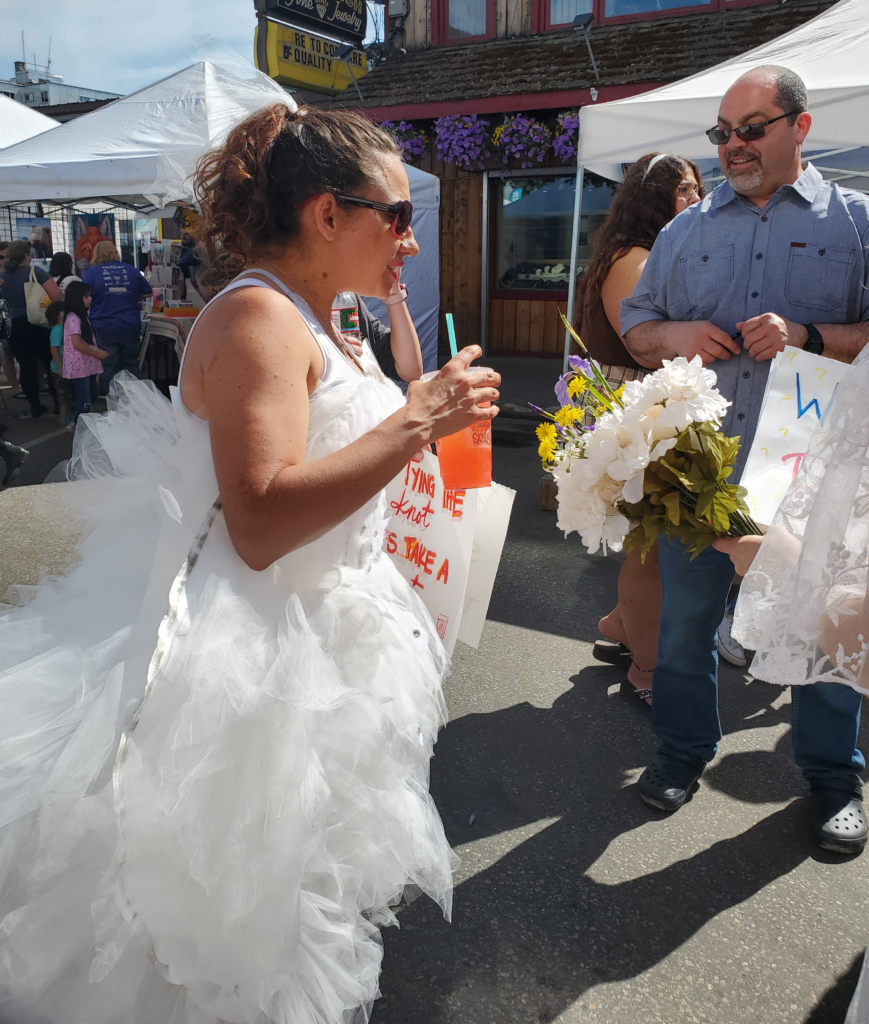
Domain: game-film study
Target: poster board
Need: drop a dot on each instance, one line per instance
(37, 231)
(494, 505)
(799, 390)
(430, 539)
(88, 229)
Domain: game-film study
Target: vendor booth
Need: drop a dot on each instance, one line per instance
(135, 155)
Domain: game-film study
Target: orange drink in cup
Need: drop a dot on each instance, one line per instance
(465, 458)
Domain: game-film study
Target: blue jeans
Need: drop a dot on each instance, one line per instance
(123, 353)
(81, 390)
(826, 716)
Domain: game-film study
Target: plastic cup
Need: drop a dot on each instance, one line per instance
(465, 458)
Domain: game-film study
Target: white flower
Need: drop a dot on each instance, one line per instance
(586, 512)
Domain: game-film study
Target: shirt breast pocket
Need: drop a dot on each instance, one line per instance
(818, 276)
(708, 276)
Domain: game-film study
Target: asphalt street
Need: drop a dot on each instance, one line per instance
(574, 902)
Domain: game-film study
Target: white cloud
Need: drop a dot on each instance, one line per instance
(121, 45)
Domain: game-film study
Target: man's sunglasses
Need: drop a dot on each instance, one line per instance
(402, 211)
(746, 132)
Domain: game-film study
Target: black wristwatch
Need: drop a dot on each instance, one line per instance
(815, 343)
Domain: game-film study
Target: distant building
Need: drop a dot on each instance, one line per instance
(35, 86)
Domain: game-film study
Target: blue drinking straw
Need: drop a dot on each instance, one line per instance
(452, 333)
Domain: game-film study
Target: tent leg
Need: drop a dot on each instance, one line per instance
(484, 283)
(574, 246)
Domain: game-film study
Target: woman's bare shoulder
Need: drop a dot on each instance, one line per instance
(249, 332)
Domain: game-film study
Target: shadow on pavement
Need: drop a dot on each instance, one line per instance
(532, 932)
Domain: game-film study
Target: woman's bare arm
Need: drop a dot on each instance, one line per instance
(255, 387)
(620, 283)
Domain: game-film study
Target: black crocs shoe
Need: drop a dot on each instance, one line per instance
(667, 783)
(838, 821)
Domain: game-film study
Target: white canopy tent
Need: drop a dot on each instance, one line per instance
(18, 122)
(143, 144)
(140, 152)
(829, 53)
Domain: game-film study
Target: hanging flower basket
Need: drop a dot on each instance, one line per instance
(410, 140)
(522, 139)
(462, 140)
(566, 132)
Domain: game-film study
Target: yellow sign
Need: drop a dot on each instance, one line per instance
(293, 56)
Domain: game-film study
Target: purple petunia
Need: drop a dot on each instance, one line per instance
(561, 390)
(524, 139)
(462, 140)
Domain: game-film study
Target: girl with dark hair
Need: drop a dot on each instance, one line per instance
(62, 270)
(82, 357)
(216, 778)
(655, 189)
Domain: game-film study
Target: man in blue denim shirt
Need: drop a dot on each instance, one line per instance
(775, 256)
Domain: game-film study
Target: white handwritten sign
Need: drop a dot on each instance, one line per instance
(430, 538)
(798, 393)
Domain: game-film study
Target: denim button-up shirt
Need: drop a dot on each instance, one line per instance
(803, 256)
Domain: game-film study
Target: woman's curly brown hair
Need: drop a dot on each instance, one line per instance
(644, 203)
(250, 188)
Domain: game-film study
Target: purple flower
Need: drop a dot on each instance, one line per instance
(462, 140)
(524, 139)
(582, 365)
(561, 390)
(564, 144)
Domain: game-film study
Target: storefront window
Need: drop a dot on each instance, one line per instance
(562, 12)
(466, 18)
(619, 8)
(534, 224)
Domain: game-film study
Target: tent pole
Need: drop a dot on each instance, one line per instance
(484, 283)
(574, 246)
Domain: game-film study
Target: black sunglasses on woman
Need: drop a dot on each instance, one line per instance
(402, 211)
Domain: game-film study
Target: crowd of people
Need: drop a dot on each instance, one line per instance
(215, 784)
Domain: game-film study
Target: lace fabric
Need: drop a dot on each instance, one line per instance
(803, 605)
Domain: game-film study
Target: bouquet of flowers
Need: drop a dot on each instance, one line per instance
(653, 461)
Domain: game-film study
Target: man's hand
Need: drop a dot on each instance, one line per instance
(704, 339)
(766, 335)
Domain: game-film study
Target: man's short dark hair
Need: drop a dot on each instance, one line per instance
(791, 95)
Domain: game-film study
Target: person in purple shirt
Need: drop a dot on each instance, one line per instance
(117, 289)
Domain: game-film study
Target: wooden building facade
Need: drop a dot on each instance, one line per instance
(506, 229)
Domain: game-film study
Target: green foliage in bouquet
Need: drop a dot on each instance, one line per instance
(686, 494)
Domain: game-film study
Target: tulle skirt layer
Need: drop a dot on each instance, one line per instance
(214, 832)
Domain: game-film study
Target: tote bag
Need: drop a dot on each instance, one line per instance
(37, 300)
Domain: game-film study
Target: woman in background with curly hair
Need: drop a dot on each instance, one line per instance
(216, 731)
(656, 188)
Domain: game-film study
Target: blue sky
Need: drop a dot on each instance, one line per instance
(121, 45)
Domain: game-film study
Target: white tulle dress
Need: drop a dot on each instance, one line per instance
(213, 781)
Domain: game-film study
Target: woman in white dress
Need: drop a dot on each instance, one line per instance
(215, 731)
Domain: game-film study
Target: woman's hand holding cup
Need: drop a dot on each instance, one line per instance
(456, 396)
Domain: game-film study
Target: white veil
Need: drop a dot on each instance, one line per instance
(803, 605)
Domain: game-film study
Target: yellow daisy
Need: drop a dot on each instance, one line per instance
(547, 449)
(576, 386)
(547, 432)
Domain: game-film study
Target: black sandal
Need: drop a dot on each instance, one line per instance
(612, 653)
